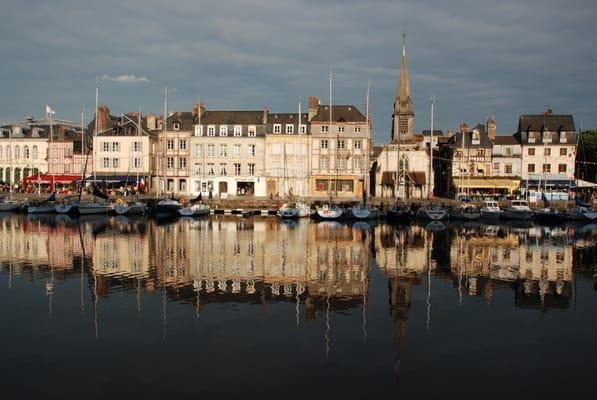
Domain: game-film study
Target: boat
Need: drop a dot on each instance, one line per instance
(94, 208)
(363, 212)
(518, 209)
(399, 212)
(168, 206)
(48, 206)
(294, 210)
(433, 212)
(467, 212)
(68, 206)
(582, 211)
(330, 212)
(194, 210)
(130, 208)
(549, 214)
(491, 210)
(7, 205)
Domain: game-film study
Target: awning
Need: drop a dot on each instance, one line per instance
(387, 178)
(47, 178)
(550, 183)
(486, 183)
(585, 184)
(113, 179)
(418, 178)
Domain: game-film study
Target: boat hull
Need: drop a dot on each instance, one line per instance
(193, 211)
(432, 214)
(10, 207)
(129, 209)
(88, 209)
(330, 214)
(491, 214)
(518, 214)
(66, 208)
(42, 209)
(294, 212)
(364, 214)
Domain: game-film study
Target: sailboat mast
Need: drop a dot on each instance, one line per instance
(95, 130)
(299, 176)
(429, 184)
(139, 144)
(462, 163)
(83, 140)
(163, 149)
(366, 149)
(330, 142)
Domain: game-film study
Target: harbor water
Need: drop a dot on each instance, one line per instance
(103, 307)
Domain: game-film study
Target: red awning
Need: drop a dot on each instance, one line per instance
(46, 178)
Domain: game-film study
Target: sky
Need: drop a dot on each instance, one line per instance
(477, 58)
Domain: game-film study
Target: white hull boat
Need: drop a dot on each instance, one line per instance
(434, 213)
(42, 209)
(297, 210)
(195, 210)
(94, 208)
(130, 209)
(328, 212)
(491, 210)
(66, 208)
(364, 213)
(519, 209)
(10, 206)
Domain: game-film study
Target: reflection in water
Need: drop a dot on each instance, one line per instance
(319, 270)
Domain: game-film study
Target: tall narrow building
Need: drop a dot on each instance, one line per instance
(403, 118)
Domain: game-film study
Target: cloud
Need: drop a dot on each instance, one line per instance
(126, 78)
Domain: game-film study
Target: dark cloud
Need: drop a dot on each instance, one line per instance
(477, 57)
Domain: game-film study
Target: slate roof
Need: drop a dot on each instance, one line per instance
(436, 132)
(185, 119)
(506, 140)
(285, 119)
(455, 141)
(539, 123)
(232, 118)
(340, 113)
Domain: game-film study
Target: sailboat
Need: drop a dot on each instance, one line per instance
(582, 211)
(294, 209)
(364, 211)
(433, 211)
(547, 213)
(330, 211)
(45, 207)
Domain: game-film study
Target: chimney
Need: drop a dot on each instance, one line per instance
(265, 112)
(313, 106)
(151, 125)
(198, 109)
(61, 132)
(491, 128)
(450, 132)
(103, 112)
(159, 122)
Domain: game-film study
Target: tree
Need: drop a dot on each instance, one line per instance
(586, 156)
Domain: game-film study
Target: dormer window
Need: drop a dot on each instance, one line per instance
(563, 137)
(531, 137)
(277, 128)
(341, 128)
(546, 137)
(357, 129)
(211, 130)
(324, 128)
(252, 131)
(223, 130)
(238, 130)
(303, 129)
(198, 130)
(476, 137)
(289, 129)
(176, 126)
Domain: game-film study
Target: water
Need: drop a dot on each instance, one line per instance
(133, 308)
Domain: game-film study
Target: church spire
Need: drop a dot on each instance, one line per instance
(403, 116)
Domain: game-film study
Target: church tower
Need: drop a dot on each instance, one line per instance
(403, 118)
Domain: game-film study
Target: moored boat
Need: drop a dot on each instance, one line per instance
(94, 208)
(330, 212)
(131, 208)
(294, 210)
(433, 212)
(399, 212)
(363, 212)
(468, 212)
(549, 214)
(194, 210)
(168, 206)
(491, 210)
(7, 205)
(518, 209)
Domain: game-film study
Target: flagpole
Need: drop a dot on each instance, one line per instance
(50, 112)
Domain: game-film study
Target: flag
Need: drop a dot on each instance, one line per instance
(142, 184)
(52, 197)
(49, 110)
(98, 193)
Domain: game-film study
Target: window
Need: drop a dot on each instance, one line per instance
(223, 130)
(277, 128)
(532, 137)
(561, 168)
(324, 144)
(341, 128)
(182, 163)
(323, 163)
(236, 150)
(531, 168)
(223, 169)
(275, 148)
(341, 164)
(137, 162)
(507, 151)
(211, 169)
(288, 148)
(35, 152)
(546, 168)
(252, 150)
(106, 162)
(17, 152)
(508, 168)
(210, 150)
(252, 131)
(170, 163)
(223, 150)
(303, 149)
(26, 152)
(496, 167)
(547, 152)
(115, 146)
(563, 137)
(341, 144)
(324, 128)
(289, 129)
(136, 146)
(237, 169)
(170, 144)
(198, 130)
(251, 169)
(357, 145)
(357, 129)
(115, 162)
(531, 151)
(176, 126)
(238, 130)
(303, 129)
(547, 137)
(211, 130)
(106, 146)
(197, 169)
(182, 144)
(198, 150)
(563, 151)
